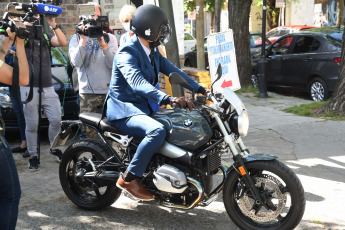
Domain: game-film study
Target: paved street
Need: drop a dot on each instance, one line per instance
(313, 148)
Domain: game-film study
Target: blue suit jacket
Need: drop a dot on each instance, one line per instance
(132, 81)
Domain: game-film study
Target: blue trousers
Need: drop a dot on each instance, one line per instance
(9, 188)
(18, 110)
(153, 134)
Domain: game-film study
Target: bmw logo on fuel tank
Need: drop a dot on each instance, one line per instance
(188, 123)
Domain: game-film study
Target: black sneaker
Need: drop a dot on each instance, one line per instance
(33, 164)
(18, 149)
(26, 154)
(57, 153)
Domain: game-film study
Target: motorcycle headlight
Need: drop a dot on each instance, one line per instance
(240, 123)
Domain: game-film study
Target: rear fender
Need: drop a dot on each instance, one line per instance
(66, 130)
(253, 157)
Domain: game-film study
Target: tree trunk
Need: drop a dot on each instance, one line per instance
(217, 13)
(239, 11)
(200, 34)
(337, 102)
(272, 15)
(340, 7)
(212, 22)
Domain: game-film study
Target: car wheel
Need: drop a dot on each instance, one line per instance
(318, 90)
(255, 81)
(188, 63)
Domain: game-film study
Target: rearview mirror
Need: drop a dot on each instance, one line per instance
(177, 79)
(219, 71)
(218, 76)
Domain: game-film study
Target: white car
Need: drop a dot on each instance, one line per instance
(189, 42)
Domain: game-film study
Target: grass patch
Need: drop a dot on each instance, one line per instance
(316, 221)
(248, 89)
(310, 110)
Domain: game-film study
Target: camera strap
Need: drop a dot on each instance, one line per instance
(15, 90)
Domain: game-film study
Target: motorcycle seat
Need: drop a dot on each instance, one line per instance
(105, 125)
(92, 119)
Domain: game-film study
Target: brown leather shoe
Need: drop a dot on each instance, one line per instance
(134, 188)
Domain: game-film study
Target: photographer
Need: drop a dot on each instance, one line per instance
(93, 59)
(38, 49)
(9, 182)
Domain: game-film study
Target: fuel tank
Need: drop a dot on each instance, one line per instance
(186, 129)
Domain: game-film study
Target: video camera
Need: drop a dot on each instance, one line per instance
(33, 8)
(8, 23)
(93, 27)
(29, 10)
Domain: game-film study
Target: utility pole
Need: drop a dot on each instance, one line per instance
(262, 62)
(172, 46)
(200, 34)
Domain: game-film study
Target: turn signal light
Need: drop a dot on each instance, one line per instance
(337, 60)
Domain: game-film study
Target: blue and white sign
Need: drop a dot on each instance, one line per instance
(221, 50)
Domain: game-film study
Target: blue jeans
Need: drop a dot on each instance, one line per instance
(18, 110)
(153, 134)
(9, 188)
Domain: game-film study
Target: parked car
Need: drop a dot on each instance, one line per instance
(62, 86)
(279, 31)
(307, 61)
(190, 59)
(189, 42)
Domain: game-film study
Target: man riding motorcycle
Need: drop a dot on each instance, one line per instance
(134, 76)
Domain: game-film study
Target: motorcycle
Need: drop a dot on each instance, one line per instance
(259, 192)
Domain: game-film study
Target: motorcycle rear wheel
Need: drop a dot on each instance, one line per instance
(274, 180)
(85, 194)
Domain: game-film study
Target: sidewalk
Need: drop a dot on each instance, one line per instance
(313, 148)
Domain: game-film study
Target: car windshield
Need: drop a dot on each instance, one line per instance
(58, 57)
(278, 32)
(335, 39)
(188, 36)
(333, 34)
(284, 31)
(272, 33)
(256, 41)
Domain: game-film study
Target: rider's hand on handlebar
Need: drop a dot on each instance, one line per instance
(183, 102)
(207, 93)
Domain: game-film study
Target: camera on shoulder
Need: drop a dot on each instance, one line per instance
(93, 27)
(29, 11)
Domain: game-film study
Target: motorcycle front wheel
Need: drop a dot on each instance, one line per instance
(82, 191)
(285, 203)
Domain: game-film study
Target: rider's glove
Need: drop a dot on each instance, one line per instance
(183, 102)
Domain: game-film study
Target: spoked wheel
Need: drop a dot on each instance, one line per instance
(86, 192)
(318, 90)
(281, 190)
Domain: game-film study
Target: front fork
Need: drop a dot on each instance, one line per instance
(239, 165)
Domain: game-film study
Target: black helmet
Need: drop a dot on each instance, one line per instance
(151, 23)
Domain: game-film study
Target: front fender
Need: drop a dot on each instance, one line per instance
(254, 157)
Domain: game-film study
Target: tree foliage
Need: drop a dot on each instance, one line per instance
(209, 6)
(272, 11)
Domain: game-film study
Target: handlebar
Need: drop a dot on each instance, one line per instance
(175, 106)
